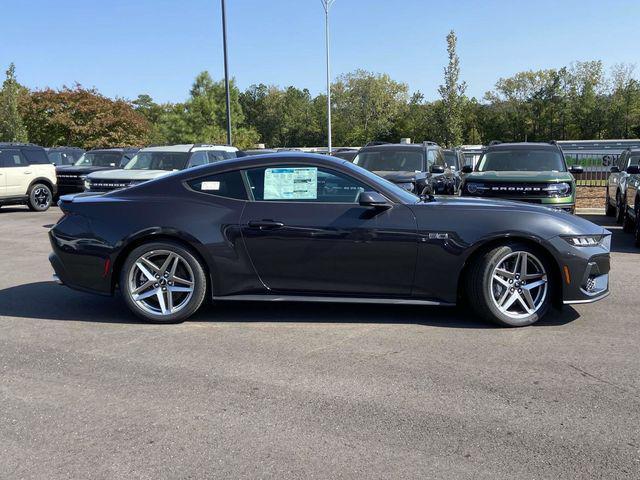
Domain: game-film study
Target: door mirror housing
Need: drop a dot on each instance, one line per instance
(436, 169)
(576, 169)
(467, 169)
(373, 199)
(633, 169)
(615, 169)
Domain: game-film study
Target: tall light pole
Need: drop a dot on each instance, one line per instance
(326, 4)
(226, 71)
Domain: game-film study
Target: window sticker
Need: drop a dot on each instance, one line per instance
(210, 186)
(291, 183)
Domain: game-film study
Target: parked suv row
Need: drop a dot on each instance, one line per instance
(623, 192)
(27, 177)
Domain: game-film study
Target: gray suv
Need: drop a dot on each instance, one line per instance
(618, 182)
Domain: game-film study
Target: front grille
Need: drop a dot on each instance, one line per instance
(69, 180)
(515, 190)
(104, 186)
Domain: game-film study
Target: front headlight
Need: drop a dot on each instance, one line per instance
(408, 186)
(584, 240)
(474, 187)
(560, 189)
(87, 184)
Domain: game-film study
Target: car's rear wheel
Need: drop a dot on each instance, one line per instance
(40, 197)
(609, 209)
(163, 282)
(510, 285)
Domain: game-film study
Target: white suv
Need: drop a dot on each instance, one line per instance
(27, 177)
(154, 162)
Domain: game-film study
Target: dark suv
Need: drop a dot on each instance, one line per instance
(60, 156)
(528, 172)
(71, 177)
(416, 167)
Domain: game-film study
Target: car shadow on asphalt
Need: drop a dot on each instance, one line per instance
(50, 301)
(620, 242)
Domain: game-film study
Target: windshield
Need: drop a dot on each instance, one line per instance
(406, 196)
(158, 161)
(391, 160)
(522, 160)
(451, 159)
(99, 159)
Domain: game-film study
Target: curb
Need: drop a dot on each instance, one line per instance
(590, 211)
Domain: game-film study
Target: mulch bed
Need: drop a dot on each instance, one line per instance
(590, 197)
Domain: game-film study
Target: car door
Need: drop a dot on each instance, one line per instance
(18, 173)
(305, 232)
(3, 175)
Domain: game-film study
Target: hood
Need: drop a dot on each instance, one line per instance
(399, 176)
(73, 170)
(132, 175)
(572, 224)
(515, 176)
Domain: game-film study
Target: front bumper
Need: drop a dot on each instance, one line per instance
(584, 271)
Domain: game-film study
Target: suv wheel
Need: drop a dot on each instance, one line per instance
(162, 282)
(40, 197)
(609, 209)
(510, 285)
(619, 208)
(627, 221)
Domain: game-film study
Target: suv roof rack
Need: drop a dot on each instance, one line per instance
(429, 142)
(376, 142)
(494, 142)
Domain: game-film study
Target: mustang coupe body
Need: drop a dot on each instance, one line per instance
(300, 227)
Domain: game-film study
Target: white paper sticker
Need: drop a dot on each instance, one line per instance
(291, 183)
(210, 186)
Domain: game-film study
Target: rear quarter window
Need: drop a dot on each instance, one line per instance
(36, 156)
(228, 185)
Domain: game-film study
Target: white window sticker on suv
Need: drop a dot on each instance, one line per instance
(210, 186)
(291, 183)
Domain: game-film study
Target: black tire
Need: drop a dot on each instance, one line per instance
(478, 285)
(627, 222)
(636, 232)
(199, 282)
(619, 208)
(609, 209)
(40, 197)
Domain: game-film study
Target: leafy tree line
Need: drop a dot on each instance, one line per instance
(579, 101)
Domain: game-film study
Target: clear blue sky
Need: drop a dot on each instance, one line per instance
(127, 47)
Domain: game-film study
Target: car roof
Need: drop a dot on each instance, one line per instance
(523, 146)
(189, 147)
(396, 146)
(113, 150)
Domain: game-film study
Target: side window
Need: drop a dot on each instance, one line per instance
(227, 184)
(634, 160)
(126, 157)
(438, 158)
(36, 156)
(198, 158)
(432, 157)
(303, 184)
(12, 158)
(622, 161)
(217, 155)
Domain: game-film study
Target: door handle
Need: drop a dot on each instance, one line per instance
(27, 173)
(265, 224)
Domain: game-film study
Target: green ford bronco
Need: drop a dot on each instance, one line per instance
(529, 172)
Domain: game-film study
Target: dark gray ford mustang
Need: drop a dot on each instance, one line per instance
(297, 227)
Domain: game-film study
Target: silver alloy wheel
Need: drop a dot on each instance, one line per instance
(161, 282)
(519, 285)
(42, 197)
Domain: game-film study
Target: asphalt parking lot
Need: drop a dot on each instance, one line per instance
(309, 391)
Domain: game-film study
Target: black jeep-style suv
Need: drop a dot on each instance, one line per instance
(417, 167)
(71, 177)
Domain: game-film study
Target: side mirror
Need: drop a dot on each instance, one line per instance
(576, 169)
(436, 169)
(467, 169)
(633, 169)
(615, 169)
(373, 199)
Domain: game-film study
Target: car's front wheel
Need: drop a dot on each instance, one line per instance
(627, 221)
(510, 285)
(163, 282)
(609, 209)
(40, 197)
(620, 201)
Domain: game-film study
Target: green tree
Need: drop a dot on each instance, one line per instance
(452, 93)
(12, 128)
